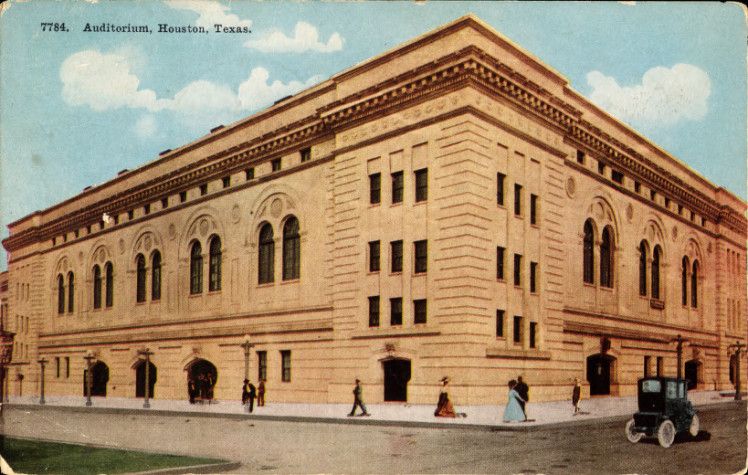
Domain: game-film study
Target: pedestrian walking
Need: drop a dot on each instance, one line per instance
(251, 393)
(576, 395)
(245, 391)
(261, 393)
(524, 393)
(513, 411)
(358, 400)
(444, 406)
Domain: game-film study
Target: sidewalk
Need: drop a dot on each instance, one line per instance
(540, 413)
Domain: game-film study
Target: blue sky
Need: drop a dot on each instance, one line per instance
(77, 107)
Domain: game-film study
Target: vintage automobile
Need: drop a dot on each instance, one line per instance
(664, 410)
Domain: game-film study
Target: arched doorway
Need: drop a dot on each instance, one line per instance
(140, 379)
(100, 377)
(599, 368)
(204, 375)
(396, 377)
(692, 373)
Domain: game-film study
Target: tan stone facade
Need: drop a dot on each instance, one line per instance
(479, 148)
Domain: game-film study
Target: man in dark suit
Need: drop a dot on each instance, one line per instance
(523, 390)
(358, 400)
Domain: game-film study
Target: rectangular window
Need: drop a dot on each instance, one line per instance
(374, 256)
(306, 154)
(500, 323)
(396, 311)
(182, 196)
(518, 269)
(396, 250)
(680, 209)
(226, 181)
(286, 366)
(422, 185)
(57, 366)
(667, 202)
(600, 167)
(617, 177)
(116, 221)
(67, 367)
(533, 276)
(500, 177)
(533, 209)
(693, 216)
(652, 195)
(375, 188)
(249, 173)
(517, 199)
(276, 164)
(637, 187)
(647, 364)
(660, 366)
(517, 329)
(397, 187)
(533, 332)
(500, 263)
(374, 311)
(421, 256)
(262, 365)
(419, 311)
(164, 202)
(147, 209)
(580, 157)
(203, 189)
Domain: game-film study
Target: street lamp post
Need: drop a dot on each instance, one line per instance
(679, 349)
(147, 353)
(247, 345)
(42, 361)
(737, 348)
(89, 377)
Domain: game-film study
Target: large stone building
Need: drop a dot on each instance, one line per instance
(450, 207)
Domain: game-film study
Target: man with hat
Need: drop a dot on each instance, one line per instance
(358, 400)
(248, 394)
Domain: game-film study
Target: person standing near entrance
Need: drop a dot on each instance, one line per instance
(191, 390)
(261, 393)
(358, 400)
(576, 395)
(251, 393)
(524, 393)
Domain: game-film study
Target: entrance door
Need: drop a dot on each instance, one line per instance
(140, 379)
(204, 375)
(598, 374)
(396, 377)
(100, 372)
(692, 373)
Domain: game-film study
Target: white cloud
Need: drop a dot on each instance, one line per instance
(146, 126)
(305, 38)
(105, 81)
(209, 13)
(665, 96)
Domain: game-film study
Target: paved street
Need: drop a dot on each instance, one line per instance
(303, 447)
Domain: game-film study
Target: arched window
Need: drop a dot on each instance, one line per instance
(96, 286)
(643, 268)
(267, 255)
(214, 264)
(606, 258)
(685, 267)
(71, 292)
(60, 294)
(291, 249)
(589, 253)
(140, 289)
(196, 268)
(656, 272)
(109, 270)
(695, 284)
(156, 276)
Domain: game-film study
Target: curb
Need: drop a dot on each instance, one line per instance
(519, 427)
(207, 468)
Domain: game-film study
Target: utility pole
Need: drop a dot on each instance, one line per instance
(737, 348)
(89, 377)
(247, 345)
(42, 362)
(679, 349)
(147, 353)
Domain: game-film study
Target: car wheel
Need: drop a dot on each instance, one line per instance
(631, 434)
(693, 429)
(666, 434)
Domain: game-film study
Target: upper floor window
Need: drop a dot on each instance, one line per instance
(286, 366)
(182, 196)
(419, 311)
(156, 276)
(276, 164)
(533, 334)
(71, 292)
(533, 209)
(422, 184)
(617, 177)
(196, 268)
(140, 272)
(397, 187)
(374, 256)
(500, 263)
(306, 154)
(580, 157)
(517, 199)
(589, 253)
(396, 248)
(214, 264)
(656, 256)
(533, 276)
(374, 311)
(96, 286)
(266, 267)
(109, 271)
(695, 284)
(60, 294)
(226, 181)
(606, 258)
(500, 178)
(421, 256)
(517, 333)
(685, 268)
(643, 256)
(203, 189)
(499, 323)
(517, 269)
(249, 173)
(375, 188)
(396, 311)
(291, 249)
